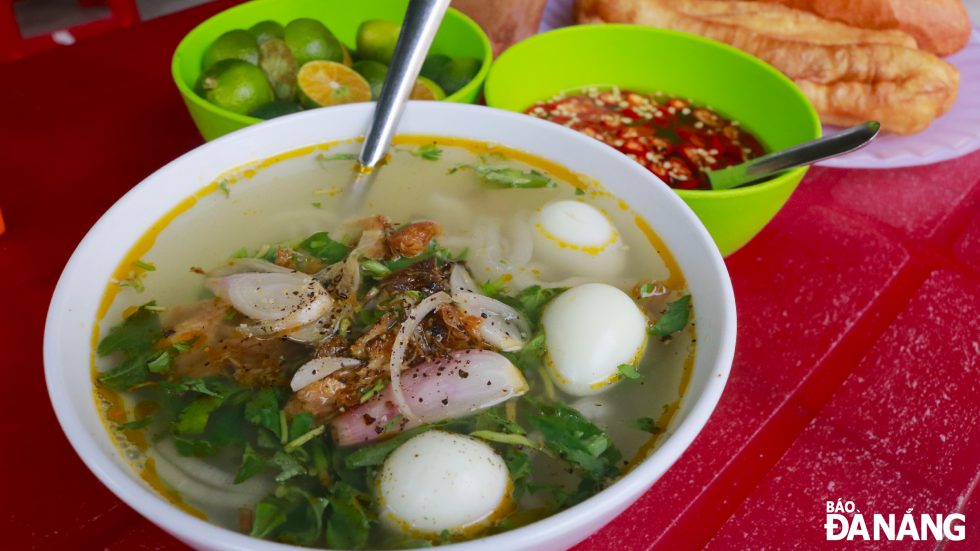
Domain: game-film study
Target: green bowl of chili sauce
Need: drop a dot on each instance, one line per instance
(736, 85)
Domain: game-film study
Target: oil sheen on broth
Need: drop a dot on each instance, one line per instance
(512, 238)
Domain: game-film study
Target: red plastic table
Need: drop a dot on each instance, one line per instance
(856, 376)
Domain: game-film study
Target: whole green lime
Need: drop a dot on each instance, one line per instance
(264, 30)
(237, 44)
(235, 85)
(458, 73)
(433, 66)
(311, 40)
(374, 73)
(275, 109)
(376, 40)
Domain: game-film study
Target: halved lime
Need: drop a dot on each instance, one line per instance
(326, 83)
(425, 89)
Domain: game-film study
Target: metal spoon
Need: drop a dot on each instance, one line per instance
(422, 19)
(799, 155)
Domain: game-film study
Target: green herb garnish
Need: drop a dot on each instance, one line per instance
(429, 152)
(646, 424)
(678, 313)
(503, 176)
(629, 371)
(321, 246)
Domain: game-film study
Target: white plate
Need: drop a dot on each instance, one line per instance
(950, 136)
(953, 135)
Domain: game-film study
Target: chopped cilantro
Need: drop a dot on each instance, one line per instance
(268, 517)
(321, 246)
(193, 447)
(317, 205)
(136, 335)
(646, 424)
(137, 425)
(579, 191)
(503, 176)
(302, 424)
(645, 290)
(161, 364)
(629, 371)
(240, 253)
(348, 525)
(429, 152)
(252, 464)
(230, 315)
(678, 313)
(510, 426)
(575, 439)
(375, 455)
(223, 186)
(290, 467)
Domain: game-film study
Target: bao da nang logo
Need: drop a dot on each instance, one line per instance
(890, 527)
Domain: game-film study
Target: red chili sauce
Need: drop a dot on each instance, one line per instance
(667, 135)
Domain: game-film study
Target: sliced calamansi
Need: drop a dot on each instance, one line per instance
(326, 83)
(425, 89)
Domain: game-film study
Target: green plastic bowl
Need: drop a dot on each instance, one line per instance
(458, 36)
(644, 59)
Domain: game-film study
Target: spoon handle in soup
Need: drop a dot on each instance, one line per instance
(422, 20)
(803, 154)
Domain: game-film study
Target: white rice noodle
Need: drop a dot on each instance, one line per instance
(520, 245)
(204, 484)
(415, 317)
(460, 280)
(503, 327)
(318, 369)
(246, 265)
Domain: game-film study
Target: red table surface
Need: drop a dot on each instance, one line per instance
(855, 375)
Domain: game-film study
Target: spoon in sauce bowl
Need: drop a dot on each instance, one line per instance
(803, 154)
(422, 20)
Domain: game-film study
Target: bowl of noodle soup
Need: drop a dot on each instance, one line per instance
(168, 294)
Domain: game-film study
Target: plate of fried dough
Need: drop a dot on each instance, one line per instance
(913, 65)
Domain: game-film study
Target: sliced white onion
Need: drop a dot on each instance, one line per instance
(415, 317)
(467, 382)
(503, 327)
(282, 301)
(246, 265)
(460, 280)
(318, 369)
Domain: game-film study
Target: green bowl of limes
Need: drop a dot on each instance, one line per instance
(269, 58)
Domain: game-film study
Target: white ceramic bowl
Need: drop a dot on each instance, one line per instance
(67, 338)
